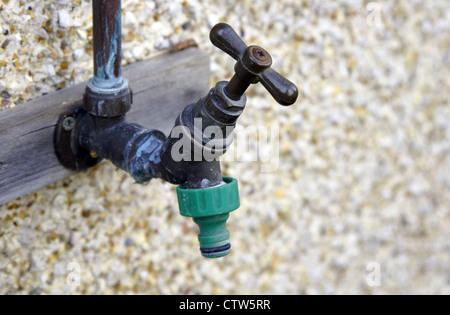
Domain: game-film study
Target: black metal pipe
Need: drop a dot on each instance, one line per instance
(145, 154)
(107, 26)
(107, 93)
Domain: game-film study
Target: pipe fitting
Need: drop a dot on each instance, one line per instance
(108, 103)
(210, 208)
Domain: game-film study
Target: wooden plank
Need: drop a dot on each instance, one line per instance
(162, 87)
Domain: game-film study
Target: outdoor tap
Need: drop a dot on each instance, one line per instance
(189, 156)
(220, 109)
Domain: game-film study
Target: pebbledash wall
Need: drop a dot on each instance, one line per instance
(357, 203)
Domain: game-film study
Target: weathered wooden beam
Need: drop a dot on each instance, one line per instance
(162, 87)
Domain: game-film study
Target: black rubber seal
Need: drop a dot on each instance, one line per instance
(215, 249)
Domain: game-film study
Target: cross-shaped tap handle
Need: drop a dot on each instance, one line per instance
(253, 66)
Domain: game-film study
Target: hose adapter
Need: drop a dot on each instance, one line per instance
(210, 208)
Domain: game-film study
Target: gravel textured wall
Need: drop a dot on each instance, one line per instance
(364, 165)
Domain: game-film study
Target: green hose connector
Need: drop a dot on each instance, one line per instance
(210, 208)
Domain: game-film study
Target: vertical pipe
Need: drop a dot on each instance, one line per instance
(107, 22)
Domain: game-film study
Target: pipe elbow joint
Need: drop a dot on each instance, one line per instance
(145, 159)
